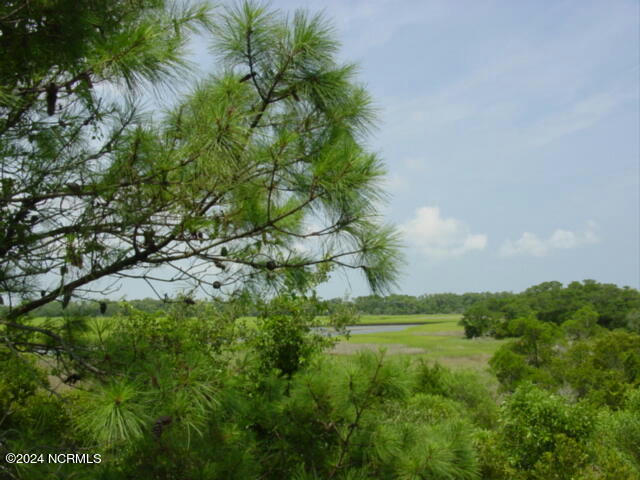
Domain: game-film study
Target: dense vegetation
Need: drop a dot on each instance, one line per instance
(198, 393)
(582, 340)
(597, 304)
(223, 189)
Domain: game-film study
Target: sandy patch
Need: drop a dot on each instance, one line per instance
(444, 333)
(55, 383)
(346, 348)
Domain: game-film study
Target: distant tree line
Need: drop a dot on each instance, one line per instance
(370, 305)
(552, 303)
(421, 304)
(484, 311)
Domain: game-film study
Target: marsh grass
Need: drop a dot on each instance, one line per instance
(441, 339)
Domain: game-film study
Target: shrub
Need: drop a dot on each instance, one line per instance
(533, 422)
(509, 367)
(284, 340)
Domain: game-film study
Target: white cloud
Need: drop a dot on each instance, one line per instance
(438, 237)
(531, 244)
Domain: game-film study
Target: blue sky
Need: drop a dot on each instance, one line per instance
(511, 132)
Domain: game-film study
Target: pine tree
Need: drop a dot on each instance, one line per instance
(260, 174)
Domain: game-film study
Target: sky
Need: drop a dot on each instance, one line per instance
(511, 135)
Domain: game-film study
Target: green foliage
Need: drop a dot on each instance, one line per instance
(510, 368)
(466, 388)
(20, 380)
(633, 321)
(525, 357)
(365, 416)
(181, 383)
(284, 339)
(552, 303)
(567, 459)
(602, 369)
(114, 414)
(25, 413)
(535, 341)
(582, 324)
(264, 155)
(58, 130)
(409, 305)
(479, 320)
(224, 188)
(621, 430)
(544, 437)
(441, 452)
(535, 423)
(593, 364)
